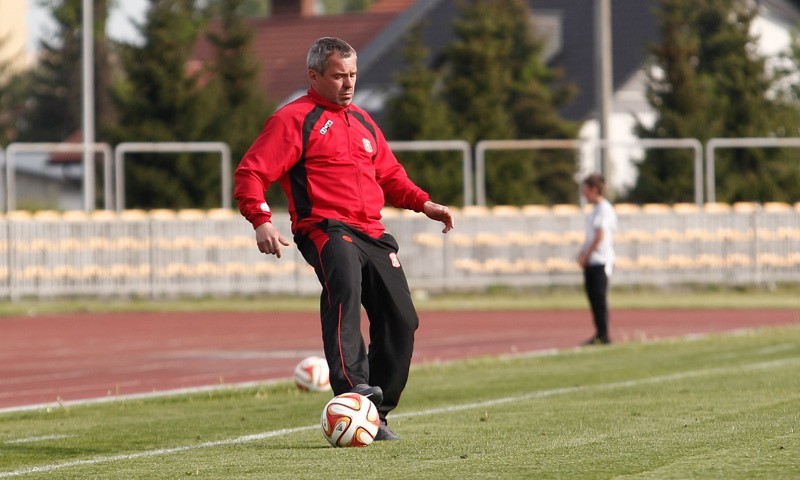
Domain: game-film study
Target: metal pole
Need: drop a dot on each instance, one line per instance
(88, 105)
(603, 78)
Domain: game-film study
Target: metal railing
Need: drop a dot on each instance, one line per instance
(163, 254)
(173, 147)
(444, 145)
(715, 143)
(88, 170)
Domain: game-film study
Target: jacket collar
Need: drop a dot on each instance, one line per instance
(318, 99)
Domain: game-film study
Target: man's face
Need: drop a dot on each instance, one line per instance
(337, 83)
(591, 194)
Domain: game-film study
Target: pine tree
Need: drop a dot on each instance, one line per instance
(242, 107)
(162, 99)
(498, 88)
(708, 81)
(15, 87)
(418, 113)
(56, 110)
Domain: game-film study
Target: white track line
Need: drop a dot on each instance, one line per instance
(433, 411)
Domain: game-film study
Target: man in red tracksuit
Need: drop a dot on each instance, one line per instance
(337, 171)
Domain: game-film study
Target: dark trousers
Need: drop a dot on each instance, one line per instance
(595, 282)
(355, 269)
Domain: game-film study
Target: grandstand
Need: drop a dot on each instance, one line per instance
(168, 253)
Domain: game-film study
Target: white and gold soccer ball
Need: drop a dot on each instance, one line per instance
(312, 374)
(350, 420)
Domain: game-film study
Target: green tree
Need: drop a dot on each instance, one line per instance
(242, 107)
(56, 101)
(15, 88)
(497, 87)
(418, 113)
(706, 80)
(162, 99)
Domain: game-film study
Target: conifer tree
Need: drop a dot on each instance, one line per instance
(162, 99)
(708, 81)
(498, 88)
(242, 106)
(15, 87)
(418, 113)
(56, 99)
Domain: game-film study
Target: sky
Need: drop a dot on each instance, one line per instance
(119, 25)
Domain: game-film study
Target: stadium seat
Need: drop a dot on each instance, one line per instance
(47, 216)
(716, 207)
(746, 207)
(221, 213)
(475, 211)
(566, 209)
(506, 210)
(535, 210)
(659, 208)
(191, 214)
(685, 208)
(777, 207)
(627, 209)
(133, 215)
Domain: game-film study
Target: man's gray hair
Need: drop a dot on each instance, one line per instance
(323, 48)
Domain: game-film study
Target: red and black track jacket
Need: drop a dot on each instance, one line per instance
(331, 161)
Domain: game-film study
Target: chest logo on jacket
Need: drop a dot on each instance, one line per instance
(367, 145)
(395, 261)
(326, 127)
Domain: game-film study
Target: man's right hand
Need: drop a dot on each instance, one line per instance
(269, 239)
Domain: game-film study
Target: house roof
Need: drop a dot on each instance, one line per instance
(280, 43)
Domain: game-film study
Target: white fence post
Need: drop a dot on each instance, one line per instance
(88, 187)
(173, 147)
(746, 142)
(443, 145)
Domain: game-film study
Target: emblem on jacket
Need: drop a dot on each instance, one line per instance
(326, 127)
(395, 261)
(367, 145)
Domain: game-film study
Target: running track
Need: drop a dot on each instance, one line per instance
(46, 359)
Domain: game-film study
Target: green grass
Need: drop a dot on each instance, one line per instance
(500, 297)
(724, 406)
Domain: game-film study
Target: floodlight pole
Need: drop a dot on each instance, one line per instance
(603, 79)
(88, 105)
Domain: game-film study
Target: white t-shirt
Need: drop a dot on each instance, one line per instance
(602, 217)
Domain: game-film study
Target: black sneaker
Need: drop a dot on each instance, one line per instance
(375, 394)
(597, 341)
(385, 433)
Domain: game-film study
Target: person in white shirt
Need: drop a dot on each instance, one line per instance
(596, 257)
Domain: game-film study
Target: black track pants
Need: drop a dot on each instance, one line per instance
(355, 269)
(596, 284)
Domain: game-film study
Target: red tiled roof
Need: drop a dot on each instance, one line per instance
(391, 6)
(281, 43)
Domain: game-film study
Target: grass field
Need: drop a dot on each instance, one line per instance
(503, 298)
(724, 406)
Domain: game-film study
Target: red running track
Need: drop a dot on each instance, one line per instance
(46, 359)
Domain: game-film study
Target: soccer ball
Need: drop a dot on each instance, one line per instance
(350, 420)
(312, 374)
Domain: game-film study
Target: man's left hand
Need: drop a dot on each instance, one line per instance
(434, 211)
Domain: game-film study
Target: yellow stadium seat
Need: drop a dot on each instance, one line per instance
(474, 211)
(191, 214)
(566, 209)
(777, 207)
(656, 208)
(505, 210)
(685, 208)
(627, 208)
(745, 207)
(535, 210)
(716, 207)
